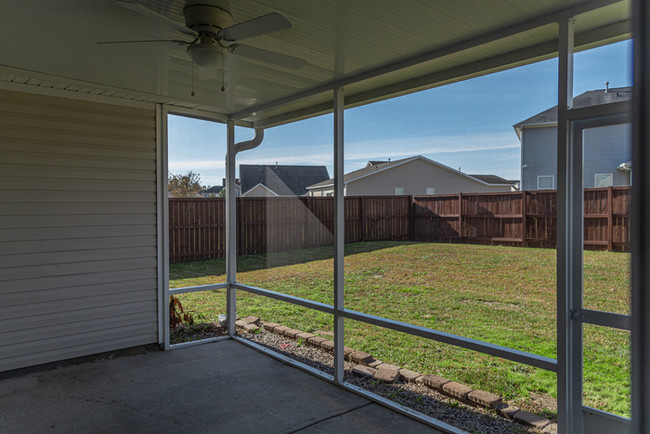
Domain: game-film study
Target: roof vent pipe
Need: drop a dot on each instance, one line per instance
(606, 86)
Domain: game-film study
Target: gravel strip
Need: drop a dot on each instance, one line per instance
(415, 396)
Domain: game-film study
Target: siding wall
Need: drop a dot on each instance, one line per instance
(415, 177)
(77, 228)
(604, 149)
(539, 153)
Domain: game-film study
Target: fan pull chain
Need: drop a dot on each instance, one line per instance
(193, 93)
(223, 88)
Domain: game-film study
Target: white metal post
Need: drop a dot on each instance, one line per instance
(569, 246)
(339, 235)
(162, 210)
(231, 229)
(640, 217)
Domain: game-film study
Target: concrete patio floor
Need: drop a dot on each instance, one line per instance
(222, 387)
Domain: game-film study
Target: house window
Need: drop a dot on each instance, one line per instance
(545, 182)
(399, 191)
(603, 180)
(430, 190)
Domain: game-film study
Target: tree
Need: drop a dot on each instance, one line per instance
(187, 185)
(222, 192)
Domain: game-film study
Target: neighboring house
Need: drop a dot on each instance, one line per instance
(496, 180)
(212, 191)
(607, 149)
(279, 180)
(414, 175)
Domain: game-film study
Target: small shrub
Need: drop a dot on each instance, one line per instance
(177, 314)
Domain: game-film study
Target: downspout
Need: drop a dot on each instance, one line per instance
(252, 143)
(231, 216)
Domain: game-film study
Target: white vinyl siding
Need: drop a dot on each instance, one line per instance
(77, 228)
(538, 154)
(545, 182)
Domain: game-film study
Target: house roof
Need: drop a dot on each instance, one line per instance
(212, 190)
(281, 179)
(587, 99)
(374, 167)
(261, 187)
(373, 52)
(371, 168)
(493, 179)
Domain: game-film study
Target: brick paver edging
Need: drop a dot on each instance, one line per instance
(376, 369)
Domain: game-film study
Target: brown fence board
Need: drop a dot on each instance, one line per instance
(197, 226)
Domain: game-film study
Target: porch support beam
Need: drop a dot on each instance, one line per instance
(640, 241)
(339, 235)
(162, 220)
(231, 228)
(569, 245)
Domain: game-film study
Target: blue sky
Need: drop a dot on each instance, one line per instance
(466, 125)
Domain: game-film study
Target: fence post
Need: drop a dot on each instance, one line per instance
(610, 219)
(362, 218)
(411, 218)
(460, 217)
(524, 219)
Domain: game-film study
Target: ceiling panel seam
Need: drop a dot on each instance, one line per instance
(429, 55)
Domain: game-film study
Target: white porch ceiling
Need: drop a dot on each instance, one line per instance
(415, 44)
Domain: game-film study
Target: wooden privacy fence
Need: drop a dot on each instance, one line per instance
(197, 226)
(526, 218)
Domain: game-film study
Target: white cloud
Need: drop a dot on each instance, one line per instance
(195, 165)
(358, 152)
(400, 148)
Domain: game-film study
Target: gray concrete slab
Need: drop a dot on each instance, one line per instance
(370, 418)
(223, 387)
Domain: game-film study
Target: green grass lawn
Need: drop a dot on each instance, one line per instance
(501, 295)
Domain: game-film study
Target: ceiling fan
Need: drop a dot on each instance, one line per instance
(213, 33)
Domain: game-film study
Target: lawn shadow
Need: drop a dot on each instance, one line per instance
(274, 259)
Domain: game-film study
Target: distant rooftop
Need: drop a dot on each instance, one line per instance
(374, 166)
(376, 163)
(212, 190)
(283, 180)
(587, 99)
(493, 179)
(371, 166)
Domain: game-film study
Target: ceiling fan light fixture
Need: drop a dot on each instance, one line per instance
(205, 55)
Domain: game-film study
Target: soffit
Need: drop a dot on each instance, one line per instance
(54, 44)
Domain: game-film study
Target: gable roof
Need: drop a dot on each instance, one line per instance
(493, 179)
(370, 169)
(282, 180)
(587, 99)
(380, 166)
(212, 190)
(261, 187)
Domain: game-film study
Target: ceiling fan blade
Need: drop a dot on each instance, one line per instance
(139, 9)
(268, 56)
(175, 41)
(257, 26)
